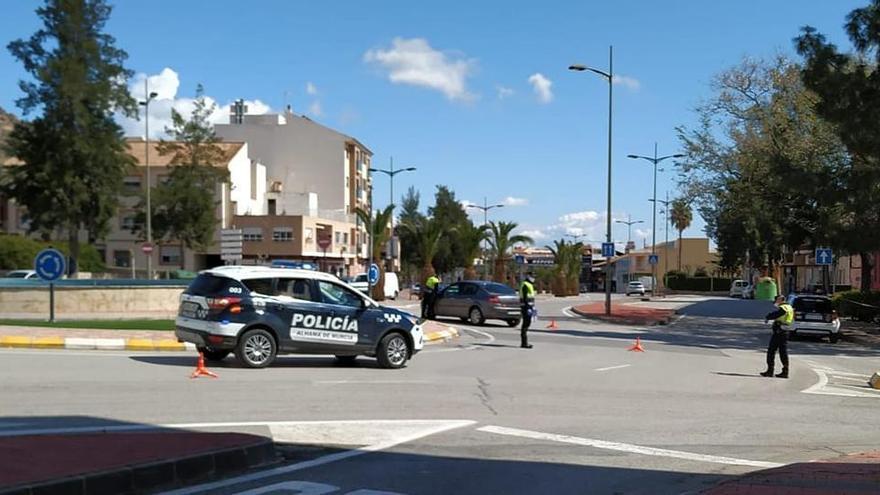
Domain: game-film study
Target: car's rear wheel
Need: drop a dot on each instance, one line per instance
(256, 349)
(512, 323)
(346, 360)
(475, 316)
(393, 351)
(212, 354)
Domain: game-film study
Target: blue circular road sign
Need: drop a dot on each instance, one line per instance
(50, 264)
(373, 274)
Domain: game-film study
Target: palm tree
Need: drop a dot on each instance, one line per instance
(680, 215)
(470, 238)
(501, 241)
(427, 233)
(379, 230)
(568, 266)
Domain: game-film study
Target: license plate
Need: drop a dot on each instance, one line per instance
(189, 309)
(814, 317)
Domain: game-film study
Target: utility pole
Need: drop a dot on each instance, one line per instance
(146, 104)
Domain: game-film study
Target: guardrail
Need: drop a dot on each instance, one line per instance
(120, 282)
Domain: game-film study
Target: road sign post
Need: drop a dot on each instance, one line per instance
(50, 265)
(653, 259)
(608, 249)
(824, 256)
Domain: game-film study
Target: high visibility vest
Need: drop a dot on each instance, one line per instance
(432, 282)
(788, 317)
(527, 290)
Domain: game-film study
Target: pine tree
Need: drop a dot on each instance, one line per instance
(73, 153)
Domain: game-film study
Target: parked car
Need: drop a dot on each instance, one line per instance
(392, 284)
(814, 315)
(635, 287)
(749, 292)
(476, 301)
(737, 288)
(22, 274)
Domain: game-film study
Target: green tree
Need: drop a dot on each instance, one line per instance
(428, 234)
(379, 229)
(567, 257)
(74, 157)
(848, 85)
(501, 241)
(470, 239)
(409, 214)
(681, 215)
(184, 206)
(450, 215)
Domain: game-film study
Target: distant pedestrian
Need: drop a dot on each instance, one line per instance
(527, 306)
(782, 318)
(429, 296)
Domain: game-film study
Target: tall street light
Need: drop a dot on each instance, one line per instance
(609, 76)
(655, 160)
(391, 172)
(486, 207)
(665, 212)
(146, 105)
(629, 224)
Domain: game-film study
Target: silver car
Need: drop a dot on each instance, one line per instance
(476, 301)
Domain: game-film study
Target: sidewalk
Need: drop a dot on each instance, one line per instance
(626, 313)
(124, 462)
(137, 340)
(852, 474)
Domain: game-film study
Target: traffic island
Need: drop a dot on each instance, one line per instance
(120, 462)
(625, 314)
(852, 474)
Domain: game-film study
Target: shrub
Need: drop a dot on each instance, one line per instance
(857, 304)
(17, 252)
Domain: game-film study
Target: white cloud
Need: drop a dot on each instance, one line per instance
(535, 234)
(630, 83)
(542, 87)
(513, 201)
(414, 62)
(504, 92)
(641, 234)
(315, 109)
(166, 84)
(311, 89)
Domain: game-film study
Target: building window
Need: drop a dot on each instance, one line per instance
(169, 255)
(252, 234)
(338, 237)
(122, 259)
(272, 207)
(131, 184)
(282, 234)
(127, 222)
(345, 237)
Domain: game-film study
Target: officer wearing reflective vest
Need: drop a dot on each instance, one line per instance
(527, 306)
(430, 296)
(782, 318)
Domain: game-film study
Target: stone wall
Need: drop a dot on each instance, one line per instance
(91, 302)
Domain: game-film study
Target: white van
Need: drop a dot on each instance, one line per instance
(392, 284)
(737, 288)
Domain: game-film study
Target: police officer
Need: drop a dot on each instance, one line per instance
(430, 295)
(782, 317)
(527, 305)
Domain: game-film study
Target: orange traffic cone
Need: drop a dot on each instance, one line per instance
(201, 370)
(637, 347)
(552, 325)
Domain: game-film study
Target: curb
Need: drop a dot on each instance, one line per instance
(140, 478)
(623, 320)
(442, 335)
(79, 343)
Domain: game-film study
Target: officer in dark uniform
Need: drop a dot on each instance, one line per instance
(527, 305)
(782, 317)
(429, 296)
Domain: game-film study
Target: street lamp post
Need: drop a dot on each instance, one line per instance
(146, 104)
(390, 172)
(665, 212)
(609, 76)
(655, 160)
(629, 225)
(486, 207)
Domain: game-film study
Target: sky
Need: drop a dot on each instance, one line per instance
(475, 95)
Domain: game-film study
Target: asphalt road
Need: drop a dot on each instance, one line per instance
(576, 414)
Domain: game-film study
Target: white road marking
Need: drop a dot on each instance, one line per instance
(440, 427)
(626, 447)
(368, 382)
(567, 312)
(489, 339)
(822, 387)
(609, 368)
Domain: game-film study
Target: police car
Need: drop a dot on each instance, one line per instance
(260, 312)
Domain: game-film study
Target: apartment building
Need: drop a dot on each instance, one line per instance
(689, 253)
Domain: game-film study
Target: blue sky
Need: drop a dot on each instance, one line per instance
(460, 89)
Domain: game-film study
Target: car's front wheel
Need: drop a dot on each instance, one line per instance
(393, 351)
(212, 354)
(256, 349)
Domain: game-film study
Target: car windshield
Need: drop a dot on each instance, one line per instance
(16, 274)
(500, 289)
(812, 305)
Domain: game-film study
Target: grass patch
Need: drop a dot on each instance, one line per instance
(166, 325)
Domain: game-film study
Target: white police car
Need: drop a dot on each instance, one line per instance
(260, 312)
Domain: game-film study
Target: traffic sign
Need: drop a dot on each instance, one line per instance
(824, 256)
(653, 259)
(49, 264)
(147, 248)
(519, 259)
(373, 274)
(324, 242)
(607, 249)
